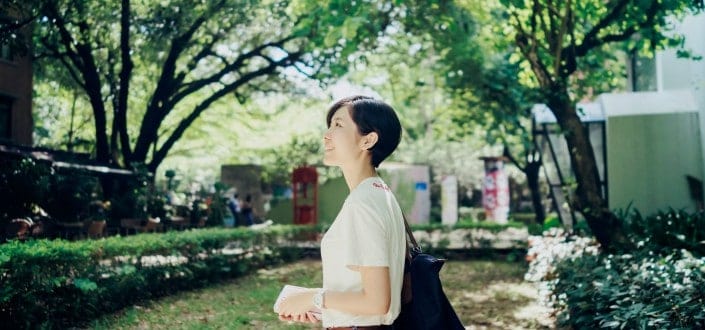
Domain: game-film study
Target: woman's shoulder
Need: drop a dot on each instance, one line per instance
(370, 192)
(370, 185)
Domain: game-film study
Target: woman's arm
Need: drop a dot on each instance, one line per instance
(374, 298)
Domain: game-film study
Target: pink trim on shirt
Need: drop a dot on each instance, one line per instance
(381, 186)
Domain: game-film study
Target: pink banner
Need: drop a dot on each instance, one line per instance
(495, 191)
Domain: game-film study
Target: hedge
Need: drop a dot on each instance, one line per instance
(58, 284)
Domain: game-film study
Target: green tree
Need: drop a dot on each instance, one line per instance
(568, 50)
(166, 62)
(482, 89)
(408, 73)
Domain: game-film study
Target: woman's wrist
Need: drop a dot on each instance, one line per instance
(318, 299)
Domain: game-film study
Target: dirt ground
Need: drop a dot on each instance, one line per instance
(486, 294)
(493, 295)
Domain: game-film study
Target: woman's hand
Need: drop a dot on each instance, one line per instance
(297, 308)
(308, 317)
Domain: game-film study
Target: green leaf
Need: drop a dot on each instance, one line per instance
(351, 25)
(332, 37)
(85, 284)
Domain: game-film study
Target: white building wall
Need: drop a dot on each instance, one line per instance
(675, 73)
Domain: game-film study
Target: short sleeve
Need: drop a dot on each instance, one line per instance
(368, 244)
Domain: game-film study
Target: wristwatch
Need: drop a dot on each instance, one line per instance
(318, 299)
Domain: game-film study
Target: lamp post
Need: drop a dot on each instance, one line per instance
(550, 142)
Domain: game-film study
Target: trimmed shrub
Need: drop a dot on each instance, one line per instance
(62, 284)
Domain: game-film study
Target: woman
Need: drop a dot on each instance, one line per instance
(363, 251)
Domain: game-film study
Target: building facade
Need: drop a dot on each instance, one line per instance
(16, 124)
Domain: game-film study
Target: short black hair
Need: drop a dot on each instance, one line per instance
(372, 115)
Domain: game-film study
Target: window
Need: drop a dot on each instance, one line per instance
(5, 118)
(5, 49)
(643, 73)
(5, 52)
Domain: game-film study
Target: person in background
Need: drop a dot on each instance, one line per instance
(246, 211)
(234, 207)
(363, 252)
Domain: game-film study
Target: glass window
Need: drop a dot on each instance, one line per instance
(643, 73)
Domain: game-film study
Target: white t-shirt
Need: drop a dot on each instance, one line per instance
(368, 231)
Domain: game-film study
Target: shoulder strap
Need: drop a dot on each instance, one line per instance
(410, 237)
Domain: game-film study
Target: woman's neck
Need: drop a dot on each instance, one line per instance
(353, 177)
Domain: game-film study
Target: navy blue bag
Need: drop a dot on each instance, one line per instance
(424, 304)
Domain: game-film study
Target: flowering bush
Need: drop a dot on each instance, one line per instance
(545, 253)
(669, 230)
(658, 285)
(641, 290)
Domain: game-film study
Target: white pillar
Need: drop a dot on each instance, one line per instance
(449, 200)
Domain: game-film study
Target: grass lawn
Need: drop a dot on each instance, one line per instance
(486, 295)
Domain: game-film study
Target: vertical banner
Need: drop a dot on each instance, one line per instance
(449, 200)
(495, 190)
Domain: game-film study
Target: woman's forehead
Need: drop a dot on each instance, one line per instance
(343, 113)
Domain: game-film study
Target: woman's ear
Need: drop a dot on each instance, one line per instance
(368, 141)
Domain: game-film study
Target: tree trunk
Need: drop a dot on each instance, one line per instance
(532, 180)
(588, 200)
(531, 170)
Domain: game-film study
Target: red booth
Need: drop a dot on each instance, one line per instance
(305, 195)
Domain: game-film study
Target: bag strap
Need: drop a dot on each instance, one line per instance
(410, 237)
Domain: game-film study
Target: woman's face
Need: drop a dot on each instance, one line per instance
(341, 140)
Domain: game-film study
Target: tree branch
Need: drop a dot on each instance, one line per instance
(508, 154)
(548, 29)
(55, 53)
(83, 59)
(537, 66)
(110, 76)
(591, 39)
(195, 85)
(186, 122)
(165, 87)
(558, 51)
(125, 74)
(606, 21)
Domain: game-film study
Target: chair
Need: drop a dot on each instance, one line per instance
(153, 225)
(95, 228)
(19, 228)
(201, 222)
